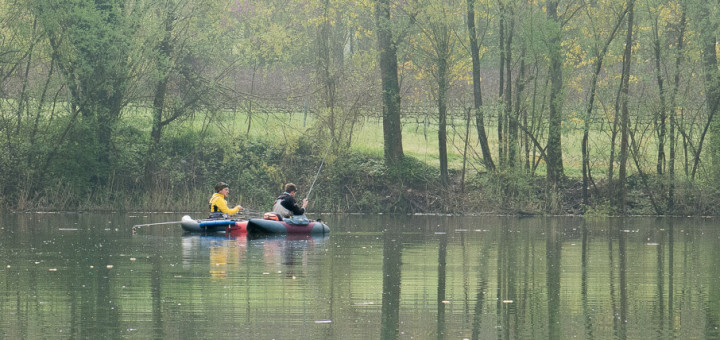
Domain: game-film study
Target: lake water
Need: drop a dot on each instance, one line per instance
(88, 276)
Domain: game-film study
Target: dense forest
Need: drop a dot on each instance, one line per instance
(597, 107)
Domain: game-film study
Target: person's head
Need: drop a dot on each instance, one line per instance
(221, 186)
(290, 188)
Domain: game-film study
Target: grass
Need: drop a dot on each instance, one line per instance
(420, 140)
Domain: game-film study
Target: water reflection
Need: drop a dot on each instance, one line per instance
(391, 269)
(553, 251)
(223, 252)
(389, 277)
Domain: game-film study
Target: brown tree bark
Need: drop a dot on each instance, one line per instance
(477, 93)
(554, 143)
(392, 128)
(625, 114)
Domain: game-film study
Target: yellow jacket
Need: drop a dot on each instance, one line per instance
(218, 203)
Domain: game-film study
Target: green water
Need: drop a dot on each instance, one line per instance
(88, 276)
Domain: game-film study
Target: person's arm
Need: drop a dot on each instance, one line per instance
(290, 204)
(222, 205)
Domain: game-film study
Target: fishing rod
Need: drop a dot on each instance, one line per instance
(159, 223)
(135, 227)
(318, 172)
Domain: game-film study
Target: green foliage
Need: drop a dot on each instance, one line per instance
(415, 174)
(511, 191)
(603, 209)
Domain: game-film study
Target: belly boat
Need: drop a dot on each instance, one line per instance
(260, 226)
(212, 225)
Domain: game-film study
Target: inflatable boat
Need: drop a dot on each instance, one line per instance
(269, 225)
(222, 225)
(272, 226)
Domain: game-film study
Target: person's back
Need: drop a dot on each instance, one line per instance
(285, 204)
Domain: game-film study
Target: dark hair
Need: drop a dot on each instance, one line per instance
(220, 186)
(290, 187)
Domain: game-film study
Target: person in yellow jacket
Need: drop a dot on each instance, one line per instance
(218, 204)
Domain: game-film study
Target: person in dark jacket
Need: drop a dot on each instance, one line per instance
(285, 204)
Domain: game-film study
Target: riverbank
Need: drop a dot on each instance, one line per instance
(355, 182)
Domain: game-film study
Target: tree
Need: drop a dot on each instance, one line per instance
(392, 128)
(625, 114)
(178, 67)
(554, 159)
(94, 47)
(679, 51)
(708, 35)
(436, 54)
(599, 54)
(477, 93)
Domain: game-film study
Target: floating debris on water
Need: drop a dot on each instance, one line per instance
(364, 303)
(323, 321)
(653, 244)
(507, 301)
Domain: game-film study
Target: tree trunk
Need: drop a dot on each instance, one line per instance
(164, 56)
(477, 93)
(501, 86)
(465, 148)
(661, 127)
(554, 144)
(514, 121)
(676, 85)
(712, 94)
(442, 120)
(511, 121)
(625, 114)
(392, 128)
(588, 112)
(325, 70)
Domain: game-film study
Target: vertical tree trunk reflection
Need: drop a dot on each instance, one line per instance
(584, 282)
(483, 279)
(671, 272)
(442, 255)
(622, 254)
(553, 249)
(661, 280)
(392, 253)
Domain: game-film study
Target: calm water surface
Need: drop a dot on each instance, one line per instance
(88, 276)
